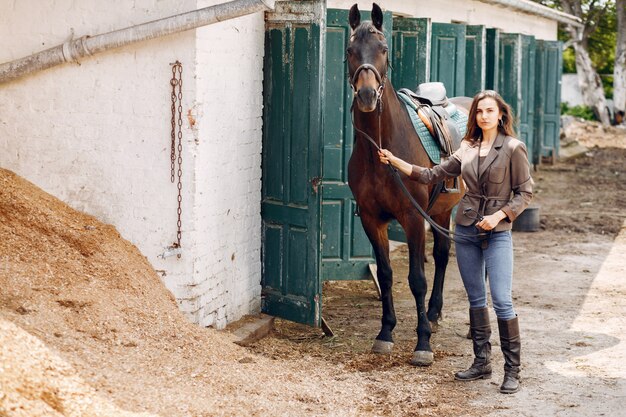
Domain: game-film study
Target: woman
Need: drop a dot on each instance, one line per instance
(495, 168)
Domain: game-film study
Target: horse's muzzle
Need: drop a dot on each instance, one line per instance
(366, 99)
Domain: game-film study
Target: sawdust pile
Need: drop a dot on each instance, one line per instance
(88, 329)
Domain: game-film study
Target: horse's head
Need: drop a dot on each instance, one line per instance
(367, 58)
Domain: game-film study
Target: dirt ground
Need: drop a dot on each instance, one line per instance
(87, 328)
(569, 292)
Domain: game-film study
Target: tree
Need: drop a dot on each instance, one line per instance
(588, 78)
(619, 68)
(604, 39)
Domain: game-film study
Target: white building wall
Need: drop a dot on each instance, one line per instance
(464, 11)
(228, 183)
(570, 90)
(97, 137)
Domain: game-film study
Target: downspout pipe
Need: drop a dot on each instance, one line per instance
(73, 49)
(539, 10)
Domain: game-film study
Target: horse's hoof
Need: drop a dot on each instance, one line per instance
(422, 358)
(382, 347)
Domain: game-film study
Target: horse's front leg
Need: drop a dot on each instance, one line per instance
(414, 229)
(441, 254)
(376, 230)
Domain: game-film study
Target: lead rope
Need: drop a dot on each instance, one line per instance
(449, 234)
(176, 150)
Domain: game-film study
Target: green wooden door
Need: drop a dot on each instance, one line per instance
(549, 66)
(527, 115)
(447, 57)
(509, 78)
(411, 52)
(475, 60)
(291, 199)
(517, 82)
(346, 251)
(411, 66)
(492, 58)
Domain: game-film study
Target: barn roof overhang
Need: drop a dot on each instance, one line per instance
(531, 7)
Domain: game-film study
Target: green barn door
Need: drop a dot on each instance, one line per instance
(447, 57)
(527, 115)
(475, 60)
(492, 59)
(411, 52)
(411, 66)
(509, 78)
(346, 251)
(517, 82)
(291, 200)
(549, 60)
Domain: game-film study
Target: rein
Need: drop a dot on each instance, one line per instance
(396, 176)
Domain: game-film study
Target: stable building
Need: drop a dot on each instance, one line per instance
(257, 135)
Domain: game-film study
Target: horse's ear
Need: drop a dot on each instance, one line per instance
(377, 17)
(355, 16)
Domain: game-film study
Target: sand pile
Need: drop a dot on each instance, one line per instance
(88, 329)
(591, 134)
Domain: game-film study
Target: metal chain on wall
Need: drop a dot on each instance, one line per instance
(176, 150)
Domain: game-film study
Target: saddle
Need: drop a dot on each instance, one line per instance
(431, 104)
(435, 111)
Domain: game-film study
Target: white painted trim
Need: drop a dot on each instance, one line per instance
(539, 10)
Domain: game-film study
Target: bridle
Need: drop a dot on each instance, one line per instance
(381, 80)
(379, 98)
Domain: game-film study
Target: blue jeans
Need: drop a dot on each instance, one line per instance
(496, 259)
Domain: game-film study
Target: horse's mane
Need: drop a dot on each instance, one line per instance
(365, 29)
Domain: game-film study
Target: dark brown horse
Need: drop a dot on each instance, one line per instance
(379, 114)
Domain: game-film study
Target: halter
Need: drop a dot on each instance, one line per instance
(381, 80)
(379, 98)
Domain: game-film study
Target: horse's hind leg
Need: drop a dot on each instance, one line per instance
(376, 231)
(441, 253)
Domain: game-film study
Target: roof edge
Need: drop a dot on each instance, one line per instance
(539, 10)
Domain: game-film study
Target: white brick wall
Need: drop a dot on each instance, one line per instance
(472, 12)
(97, 137)
(228, 190)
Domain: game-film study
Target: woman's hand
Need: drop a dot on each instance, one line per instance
(385, 156)
(491, 221)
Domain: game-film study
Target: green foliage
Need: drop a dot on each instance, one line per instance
(582, 112)
(569, 61)
(602, 41)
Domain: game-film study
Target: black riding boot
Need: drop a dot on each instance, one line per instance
(480, 330)
(511, 345)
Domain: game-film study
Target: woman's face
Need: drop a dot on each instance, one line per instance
(487, 114)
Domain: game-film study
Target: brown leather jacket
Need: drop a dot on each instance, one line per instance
(504, 182)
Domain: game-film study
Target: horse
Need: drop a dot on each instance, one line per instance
(378, 113)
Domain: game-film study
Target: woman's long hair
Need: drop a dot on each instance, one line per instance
(474, 132)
